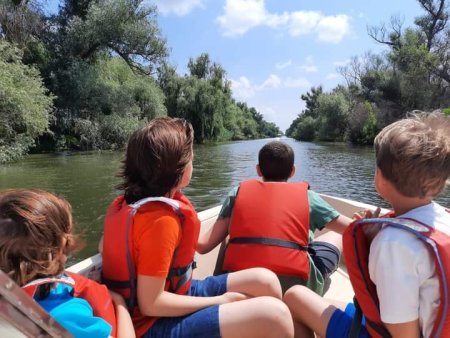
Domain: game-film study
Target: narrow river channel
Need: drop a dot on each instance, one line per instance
(88, 180)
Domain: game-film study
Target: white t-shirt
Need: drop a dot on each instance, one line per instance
(403, 270)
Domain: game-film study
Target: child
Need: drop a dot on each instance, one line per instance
(150, 239)
(272, 223)
(36, 235)
(413, 164)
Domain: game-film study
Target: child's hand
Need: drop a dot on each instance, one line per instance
(367, 214)
(230, 297)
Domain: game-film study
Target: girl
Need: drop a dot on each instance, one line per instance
(150, 239)
(36, 236)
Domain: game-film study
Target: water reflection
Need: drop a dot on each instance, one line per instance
(88, 180)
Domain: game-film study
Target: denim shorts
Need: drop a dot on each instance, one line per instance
(203, 323)
(341, 322)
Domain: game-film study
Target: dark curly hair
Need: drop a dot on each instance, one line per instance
(156, 157)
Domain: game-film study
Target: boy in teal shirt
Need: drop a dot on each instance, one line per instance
(279, 210)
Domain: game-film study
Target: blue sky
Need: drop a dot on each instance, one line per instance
(275, 50)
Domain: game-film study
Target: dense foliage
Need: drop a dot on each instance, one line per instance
(414, 74)
(88, 76)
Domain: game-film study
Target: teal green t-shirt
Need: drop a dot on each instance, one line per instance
(320, 213)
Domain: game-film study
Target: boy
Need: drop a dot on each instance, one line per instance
(271, 224)
(413, 164)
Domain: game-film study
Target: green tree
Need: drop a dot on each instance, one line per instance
(25, 107)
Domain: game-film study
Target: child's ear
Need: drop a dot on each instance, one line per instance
(258, 171)
(292, 171)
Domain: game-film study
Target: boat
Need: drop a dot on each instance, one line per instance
(20, 316)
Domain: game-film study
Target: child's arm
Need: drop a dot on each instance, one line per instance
(214, 236)
(125, 327)
(339, 224)
(154, 301)
(409, 329)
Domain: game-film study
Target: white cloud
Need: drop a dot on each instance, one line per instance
(273, 81)
(177, 7)
(332, 76)
(242, 15)
(243, 89)
(341, 63)
(309, 66)
(282, 65)
(303, 22)
(296, 83)
(333, 28)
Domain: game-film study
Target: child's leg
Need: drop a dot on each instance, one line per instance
(325, 252)
(331, 237)
(255, 282)
(311, 313)
(258, 317)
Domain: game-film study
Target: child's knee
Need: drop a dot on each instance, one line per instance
(294, 296)
(275, 314)
(269, 281)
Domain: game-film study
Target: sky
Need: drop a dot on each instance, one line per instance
(275, 50)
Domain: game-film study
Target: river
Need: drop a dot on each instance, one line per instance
(88, 179)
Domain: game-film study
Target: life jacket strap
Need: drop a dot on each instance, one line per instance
(269, 241)
(184, 274)
(356, 322)
(116, 284)
(177, 272)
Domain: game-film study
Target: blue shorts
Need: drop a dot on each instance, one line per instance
(341, 322)
(203, 323)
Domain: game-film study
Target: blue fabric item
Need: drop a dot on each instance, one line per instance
(341, 322)
(325, 257)
(74, 314)
(203, 323)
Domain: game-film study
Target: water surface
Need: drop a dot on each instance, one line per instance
(88, 180)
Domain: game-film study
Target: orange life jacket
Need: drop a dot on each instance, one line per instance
(119, 269)
(97, 295)
(356, 244)
(270, 228)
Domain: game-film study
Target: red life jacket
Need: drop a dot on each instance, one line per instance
(356, 245)
(97, 295)
(270, 228)
(119, 268)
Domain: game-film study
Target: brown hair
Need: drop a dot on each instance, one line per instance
(156, 157)
(414, 154)
(276, 160)
(35, 229)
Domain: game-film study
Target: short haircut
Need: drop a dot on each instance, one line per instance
(156, 157)
(414, 154)
(35, 229)
(276, 160)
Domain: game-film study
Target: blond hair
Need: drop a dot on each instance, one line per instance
(35, 230)
(414, 154)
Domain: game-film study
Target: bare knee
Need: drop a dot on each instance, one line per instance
(280, 317)
(268, 282)
(255, 282)
(274, 318)
(295, 297)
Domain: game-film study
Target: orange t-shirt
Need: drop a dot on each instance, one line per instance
(156, 234)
